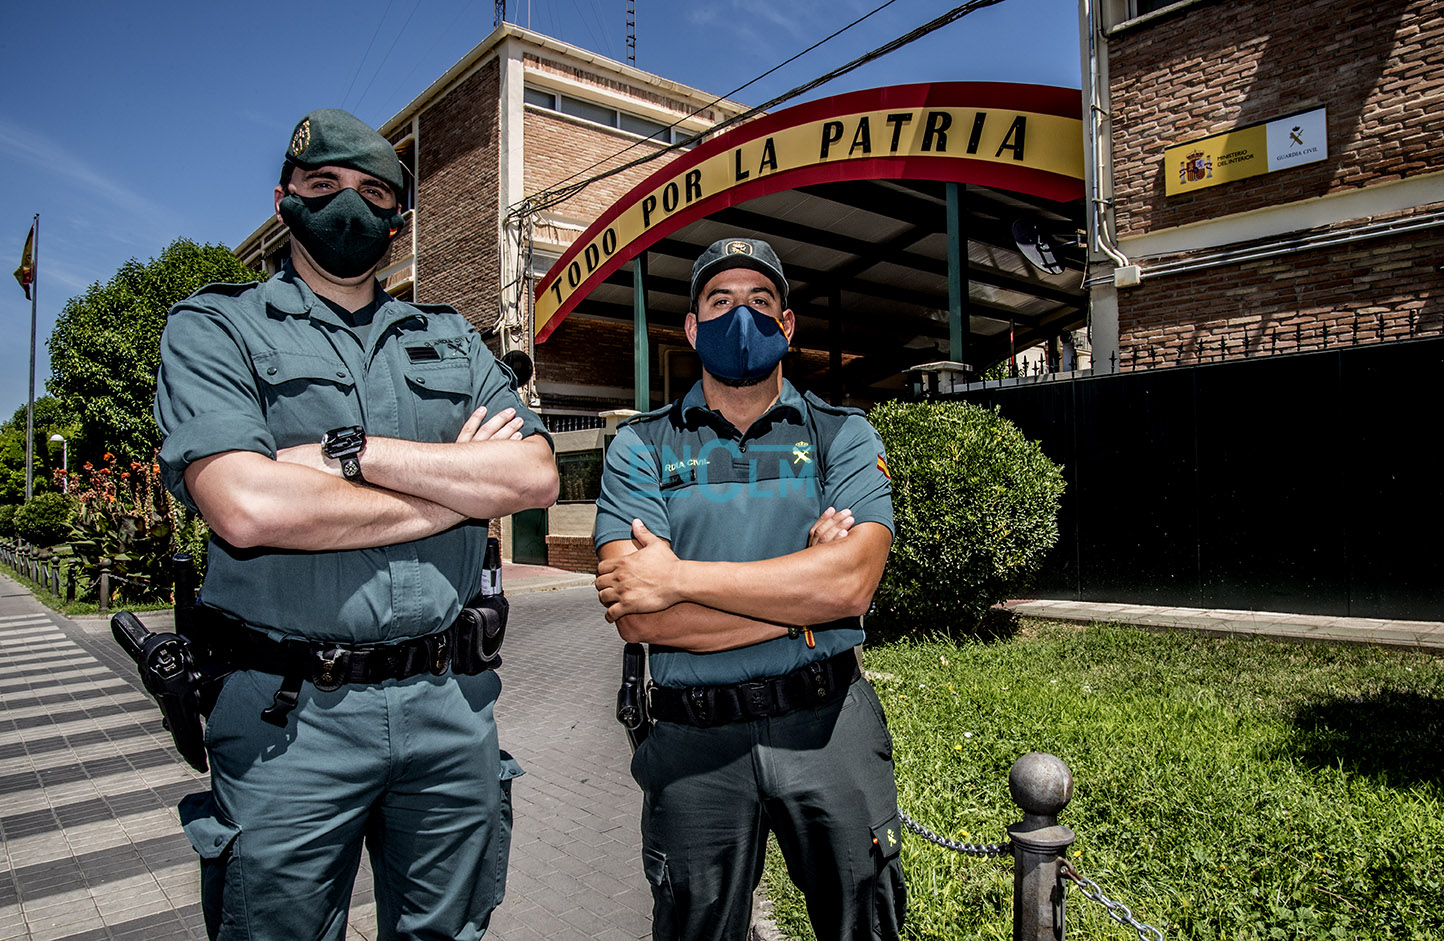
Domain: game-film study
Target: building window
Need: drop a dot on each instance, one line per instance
(1148, 6)
(601, 114)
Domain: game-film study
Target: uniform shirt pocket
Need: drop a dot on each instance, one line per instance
(443, 393)
(304, 394)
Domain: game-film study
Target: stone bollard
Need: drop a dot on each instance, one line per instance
(1042, 786)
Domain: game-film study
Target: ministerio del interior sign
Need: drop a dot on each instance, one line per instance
(1246, 151)
(1022, 138)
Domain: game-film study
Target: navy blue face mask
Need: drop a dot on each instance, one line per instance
(742, 345)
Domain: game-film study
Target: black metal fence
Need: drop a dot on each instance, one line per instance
(1306, 483)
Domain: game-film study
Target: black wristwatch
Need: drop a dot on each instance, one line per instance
(345, 444)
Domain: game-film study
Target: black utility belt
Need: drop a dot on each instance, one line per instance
(465, 647)
(817, 684)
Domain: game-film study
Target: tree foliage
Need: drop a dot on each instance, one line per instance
(975, 505)
(105, 349)
(51, 417)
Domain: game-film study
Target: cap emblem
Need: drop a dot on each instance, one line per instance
(301, 139)
(739, 247)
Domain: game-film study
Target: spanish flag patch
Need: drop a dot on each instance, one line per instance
(882, 466)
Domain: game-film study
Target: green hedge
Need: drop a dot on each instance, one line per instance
(976, 507)
(44, 520)
(7, 521)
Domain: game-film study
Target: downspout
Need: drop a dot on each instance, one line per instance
(1097, 115)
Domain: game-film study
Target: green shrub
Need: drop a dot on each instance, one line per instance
(7, 521)
(975, 507)
(44, 520)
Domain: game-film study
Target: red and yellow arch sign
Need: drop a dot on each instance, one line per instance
(1024, 138)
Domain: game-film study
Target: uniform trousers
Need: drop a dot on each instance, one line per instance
(820, 779)
(411, 768)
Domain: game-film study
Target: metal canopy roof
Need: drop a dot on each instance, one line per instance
(878, 250)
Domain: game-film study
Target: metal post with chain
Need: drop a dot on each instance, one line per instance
(1041, 785)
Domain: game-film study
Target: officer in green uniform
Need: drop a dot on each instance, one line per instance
(722, 545)
(346, 449)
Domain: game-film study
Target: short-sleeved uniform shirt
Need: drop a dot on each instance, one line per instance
(723, 495)
(265, 366)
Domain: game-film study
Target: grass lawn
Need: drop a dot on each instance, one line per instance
(1224, 788)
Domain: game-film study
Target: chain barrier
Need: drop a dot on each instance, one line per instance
(968, 849)
(1116, 910)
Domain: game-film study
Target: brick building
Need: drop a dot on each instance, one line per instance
(1272, 175)
(517, 115)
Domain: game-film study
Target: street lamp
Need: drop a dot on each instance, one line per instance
(64, 461)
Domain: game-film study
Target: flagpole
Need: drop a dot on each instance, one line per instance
(30, 405)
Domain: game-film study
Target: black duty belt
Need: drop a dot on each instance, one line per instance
(817, 684)
(465, 647)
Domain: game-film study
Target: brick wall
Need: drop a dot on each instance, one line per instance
(1377, 67)
(558, 147)
(573, 553)
(458, 202)
(1371, 291)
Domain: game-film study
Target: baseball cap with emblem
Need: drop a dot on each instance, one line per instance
(738, 253)
(335, 138)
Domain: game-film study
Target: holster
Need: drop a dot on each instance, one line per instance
(486, 617)
(168, 671)
(632, 697)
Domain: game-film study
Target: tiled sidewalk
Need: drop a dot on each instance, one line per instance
(91, 847)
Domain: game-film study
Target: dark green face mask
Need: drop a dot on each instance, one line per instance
(344, 233)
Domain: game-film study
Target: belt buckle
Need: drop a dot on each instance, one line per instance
(756, 699)
(332, 667)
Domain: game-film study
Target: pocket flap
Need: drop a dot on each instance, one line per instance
(280, 366)
(887, 837)
(209, 835)
(510, 767)
(452, 377)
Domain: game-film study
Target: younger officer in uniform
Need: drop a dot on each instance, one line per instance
(720, 546)
(346, 449)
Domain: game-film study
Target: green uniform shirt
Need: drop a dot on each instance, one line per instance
(260, 367)
(720, 495)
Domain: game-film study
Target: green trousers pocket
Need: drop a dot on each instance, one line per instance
(218, 844)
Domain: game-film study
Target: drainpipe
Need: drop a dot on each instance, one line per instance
(1126, 273)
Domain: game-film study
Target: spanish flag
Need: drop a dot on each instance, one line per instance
(25, 274)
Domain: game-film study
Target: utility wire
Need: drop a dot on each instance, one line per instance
(359, 65)
(545, 195)
(382, 64)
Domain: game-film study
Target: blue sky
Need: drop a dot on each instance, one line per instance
(129, 125)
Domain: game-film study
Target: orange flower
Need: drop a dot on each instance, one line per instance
(109, 456)
(135, 465)
(125, 475)
(89, 466)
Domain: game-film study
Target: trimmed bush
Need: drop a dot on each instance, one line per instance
(7, 521)
(44, 520)
(976, 509)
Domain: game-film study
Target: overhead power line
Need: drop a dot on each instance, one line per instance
(560, 193)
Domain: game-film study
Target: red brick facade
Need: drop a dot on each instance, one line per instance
(573, 553)
(458, 201)
(1377, 67)
(1379, 289)
(1208, 67)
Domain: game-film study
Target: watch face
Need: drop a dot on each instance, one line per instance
(339, 442)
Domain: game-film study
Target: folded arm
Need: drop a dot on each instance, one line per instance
(300, 501)
(702, 606)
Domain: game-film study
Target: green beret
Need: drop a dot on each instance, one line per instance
(329, 137)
